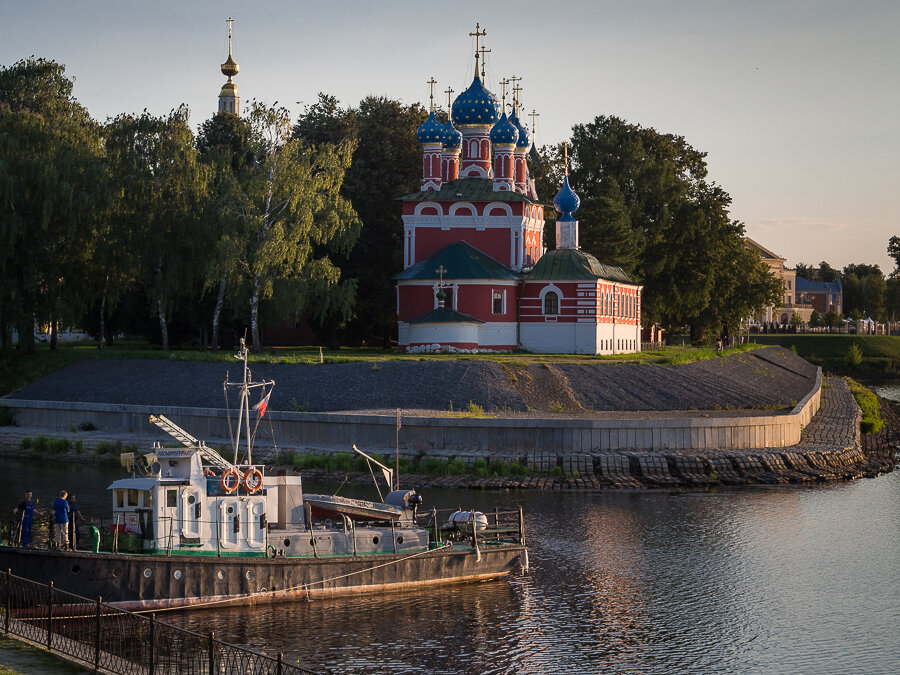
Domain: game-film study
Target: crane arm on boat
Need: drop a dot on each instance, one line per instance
(189, 441)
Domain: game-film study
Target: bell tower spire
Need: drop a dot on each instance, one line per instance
(229, 101)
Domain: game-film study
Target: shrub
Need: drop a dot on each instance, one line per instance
(475, 409)
(871, 422)
(480, 468)
(25, 444)
(853, 357)
(555, 407)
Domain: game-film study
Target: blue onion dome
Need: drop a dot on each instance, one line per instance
(452, 137)
(504, 132)
(431, 131)
(566, 201)
(524, 141)
(476, 105)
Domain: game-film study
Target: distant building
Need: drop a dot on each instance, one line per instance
(823, 296)
(782, 312)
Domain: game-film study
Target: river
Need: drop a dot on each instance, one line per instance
(752, 580)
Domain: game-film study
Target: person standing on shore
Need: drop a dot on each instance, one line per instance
(26, 508)
(61, 517)
(74, 521)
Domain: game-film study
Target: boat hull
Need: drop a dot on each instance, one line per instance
(151, 582)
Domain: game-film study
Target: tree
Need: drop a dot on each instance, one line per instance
(796, 321)
(294, 216)
(387, 163)
(164, 188)
(832, 319)
(679, 238)
(826, 272)
(864, 290)
(893, 250)
(52, 190)
(807, 272)
(225, 147)
(815, 319)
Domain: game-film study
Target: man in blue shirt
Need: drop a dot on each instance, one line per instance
(26, 508)
(61, 516)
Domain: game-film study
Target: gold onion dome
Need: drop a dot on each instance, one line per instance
(230, 67)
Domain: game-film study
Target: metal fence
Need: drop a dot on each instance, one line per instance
(115, 641)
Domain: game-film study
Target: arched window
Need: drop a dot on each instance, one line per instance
(551, 303)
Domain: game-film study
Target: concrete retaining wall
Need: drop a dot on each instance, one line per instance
(498, 436)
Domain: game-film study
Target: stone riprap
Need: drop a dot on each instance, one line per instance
(769, 378)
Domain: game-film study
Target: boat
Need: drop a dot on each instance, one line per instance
(191, 529)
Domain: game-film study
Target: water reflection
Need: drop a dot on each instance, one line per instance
(756, 580)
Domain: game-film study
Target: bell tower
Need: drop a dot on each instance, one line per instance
(229, 101)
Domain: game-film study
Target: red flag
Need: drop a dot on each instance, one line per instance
(262, 405)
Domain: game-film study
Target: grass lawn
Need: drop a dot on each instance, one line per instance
(881, 353)
(20, 658)
(17, 370)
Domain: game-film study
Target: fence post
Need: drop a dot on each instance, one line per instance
(212, 653)
(152, 664)
(49, 616)
(97, 634)
(6, 603)
(279, 669)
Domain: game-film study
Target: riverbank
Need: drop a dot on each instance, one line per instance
(20, 657)
(831, 447)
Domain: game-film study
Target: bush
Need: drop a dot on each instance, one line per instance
(871, 422)
(853, 357)
(480, 468)
(475, 409)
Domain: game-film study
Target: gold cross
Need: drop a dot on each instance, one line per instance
(516, 89)
(477, 34)
(503, 84)
(483, 51)
(441, 271)
(532, 115)
(431, 84)
(566, 155)
(448, 91)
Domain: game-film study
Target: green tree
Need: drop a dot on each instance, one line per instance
(893, 250)
(807, 272)
(688, 252)
(826, 272)
(224, 142)
(164, 190)
(387, 163)
(832, 319)
(892, 297)
(796, 321)
(815, 319)
(295, 217)
(52, 191)
(864, 290)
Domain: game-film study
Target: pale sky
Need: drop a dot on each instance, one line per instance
(794, 101)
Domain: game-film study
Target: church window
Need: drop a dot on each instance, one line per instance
(498, 302)
(551, 303)
(473, 149)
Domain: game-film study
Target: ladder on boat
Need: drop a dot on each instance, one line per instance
(189, 441)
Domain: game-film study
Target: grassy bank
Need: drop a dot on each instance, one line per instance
(880, 353)
(18, 370)
(871, 422)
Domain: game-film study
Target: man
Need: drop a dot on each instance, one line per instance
(61, 513)
(26, 508)
(74, 520)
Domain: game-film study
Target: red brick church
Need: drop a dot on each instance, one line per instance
(476, 276)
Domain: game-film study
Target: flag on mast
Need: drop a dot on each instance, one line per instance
(262, 405)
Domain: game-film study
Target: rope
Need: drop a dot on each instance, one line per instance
(299, 587)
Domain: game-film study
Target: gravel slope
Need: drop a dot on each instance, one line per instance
(772, 377)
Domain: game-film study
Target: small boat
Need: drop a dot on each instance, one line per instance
(189, 528)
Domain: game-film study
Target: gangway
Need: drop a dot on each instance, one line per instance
(189, 441)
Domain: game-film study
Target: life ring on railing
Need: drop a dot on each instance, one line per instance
(208, 472)
(230, 481)
(253, 481)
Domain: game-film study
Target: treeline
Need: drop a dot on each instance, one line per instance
(867, 292)
(139, 226)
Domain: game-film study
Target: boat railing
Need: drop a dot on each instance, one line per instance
(117, 641)
(502, 526)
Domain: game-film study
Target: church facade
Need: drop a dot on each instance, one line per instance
(476, 276)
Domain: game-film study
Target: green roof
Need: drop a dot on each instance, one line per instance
(460, 260)
(445, 315)
(467, 190)
(566, 264)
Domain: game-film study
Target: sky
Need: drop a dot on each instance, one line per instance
(794, 101)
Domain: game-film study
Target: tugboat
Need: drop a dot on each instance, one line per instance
(191, 529)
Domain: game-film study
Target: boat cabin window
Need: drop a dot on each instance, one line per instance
(133, 497)
(171, 498)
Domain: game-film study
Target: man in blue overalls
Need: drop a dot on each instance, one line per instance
(26, 508)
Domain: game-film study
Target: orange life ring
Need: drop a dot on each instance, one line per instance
(253, 481)
(226, 481)
(208, 472)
